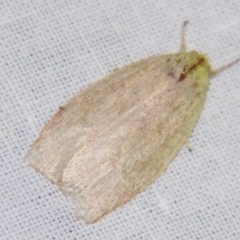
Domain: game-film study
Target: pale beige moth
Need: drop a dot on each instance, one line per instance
(116, 137)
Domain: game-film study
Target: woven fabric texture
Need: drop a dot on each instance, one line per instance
(50, 50)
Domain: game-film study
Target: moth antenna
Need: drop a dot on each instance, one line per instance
(183, 37)
(223, 68)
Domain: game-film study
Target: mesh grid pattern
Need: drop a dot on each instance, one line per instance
(52, 49)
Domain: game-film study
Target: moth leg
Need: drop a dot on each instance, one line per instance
(223, 68)
(183, 35)
(187, 144)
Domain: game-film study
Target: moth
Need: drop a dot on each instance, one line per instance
(115, 138)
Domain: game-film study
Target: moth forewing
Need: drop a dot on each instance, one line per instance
(113, 139)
